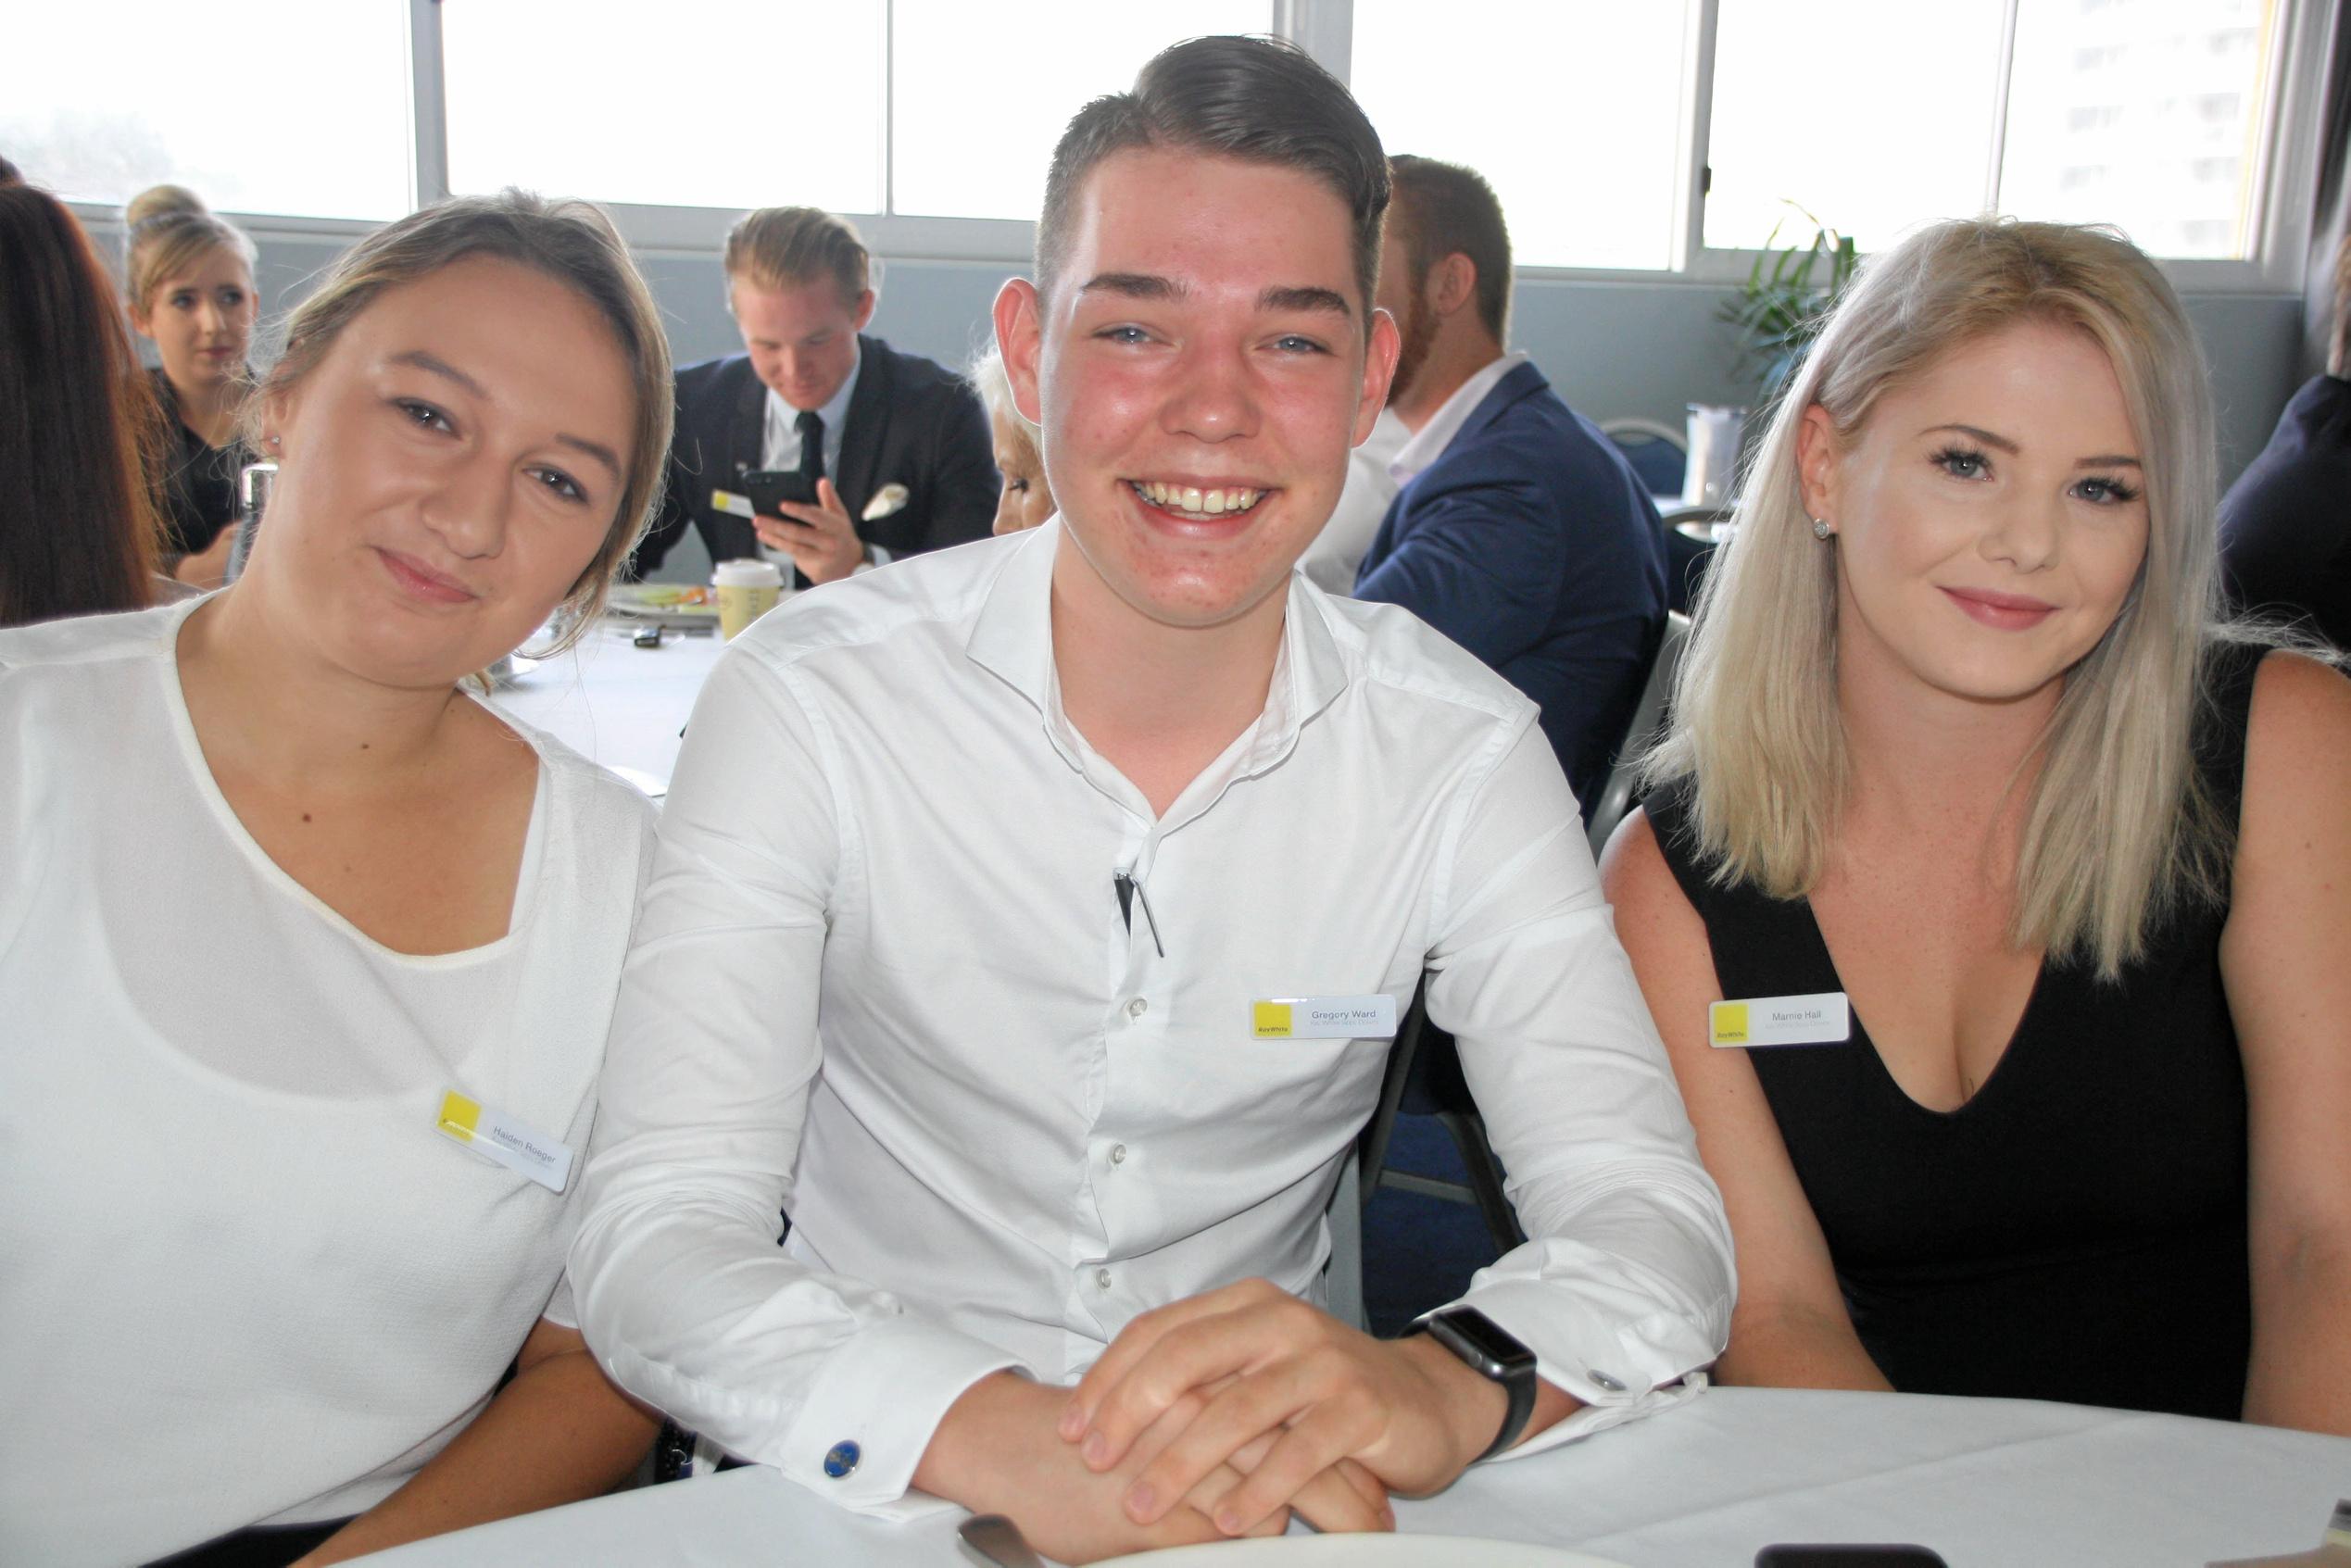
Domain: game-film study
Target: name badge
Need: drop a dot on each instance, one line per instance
(737, 505)
(1325, 1018)
(505, 1141)
(1821, 1019)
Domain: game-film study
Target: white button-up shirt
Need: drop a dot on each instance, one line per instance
(881, 978)
(1428, 442)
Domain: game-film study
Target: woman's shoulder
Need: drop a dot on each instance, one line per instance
(598, 803)
(119, 636)
(2298, 731)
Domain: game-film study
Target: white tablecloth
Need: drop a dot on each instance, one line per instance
(1988, 1482)
(613, 702)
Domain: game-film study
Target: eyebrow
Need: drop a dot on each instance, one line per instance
(440, 367)
(1149, 286)
(2000, 443)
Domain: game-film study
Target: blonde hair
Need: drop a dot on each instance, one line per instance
(165, 230)
(995, 389)
(779, 247)
(570, 242)
(2118, 832)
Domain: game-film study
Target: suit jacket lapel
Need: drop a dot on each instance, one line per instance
(868, 428)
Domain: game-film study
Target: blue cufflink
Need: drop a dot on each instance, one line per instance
(841, 1459)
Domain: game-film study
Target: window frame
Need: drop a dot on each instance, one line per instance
(2286, 167)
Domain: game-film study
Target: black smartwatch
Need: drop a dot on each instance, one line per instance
(1493, 1354)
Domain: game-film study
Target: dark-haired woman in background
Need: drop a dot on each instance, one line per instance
(77, 517)
(191, 286)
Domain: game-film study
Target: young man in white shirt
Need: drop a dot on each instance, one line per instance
(1003, 895)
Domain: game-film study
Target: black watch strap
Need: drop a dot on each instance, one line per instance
(1482, 1346)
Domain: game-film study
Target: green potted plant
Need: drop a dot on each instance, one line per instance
(1779, 308)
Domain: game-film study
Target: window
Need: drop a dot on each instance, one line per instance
(717, 103)
(1872, 117)
(979, 94)
(1572, 113)
(2176, 131)
(258, 105)
(2140, 113)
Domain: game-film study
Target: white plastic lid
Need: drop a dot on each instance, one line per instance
(746, 574)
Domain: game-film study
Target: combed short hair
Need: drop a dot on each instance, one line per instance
(1442, 208)
(572, 241)
(1256, 99)
(2118, 832)
(788, 247)
(165, 230)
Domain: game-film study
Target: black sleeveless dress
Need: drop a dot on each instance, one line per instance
(2077, 1229)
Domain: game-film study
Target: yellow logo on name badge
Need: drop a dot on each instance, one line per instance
(1273, 1020)
(1727, 1022)
(459, 1116)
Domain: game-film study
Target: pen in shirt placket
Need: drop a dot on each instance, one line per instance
(1130, 893)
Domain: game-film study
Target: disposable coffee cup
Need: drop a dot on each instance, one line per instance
(747, 590)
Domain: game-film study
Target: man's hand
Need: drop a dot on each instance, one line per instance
(996, 1452)
(821, 539)
(1268, 1366)
(209, 568)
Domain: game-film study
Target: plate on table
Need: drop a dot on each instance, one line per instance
(671, 604)
(1361, 1551)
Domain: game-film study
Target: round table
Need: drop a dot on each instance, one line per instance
(616, 703)
(1987, 1482)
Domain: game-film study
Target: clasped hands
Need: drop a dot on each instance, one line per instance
(1219, 1416)
(821, 539)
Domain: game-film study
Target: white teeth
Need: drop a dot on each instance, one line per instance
(1191, 501)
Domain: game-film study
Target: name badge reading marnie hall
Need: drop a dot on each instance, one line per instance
(1325, 1018)
(499, 1138)
(1822, 1019)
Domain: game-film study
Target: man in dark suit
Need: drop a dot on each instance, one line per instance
(1520, 531)
(897, 446)
(2285, 525)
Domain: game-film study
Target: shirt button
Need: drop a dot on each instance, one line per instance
(1101, 1279)
(841, 1459)
(1118, 1154)
(1137, 1008)
(1602, 1380)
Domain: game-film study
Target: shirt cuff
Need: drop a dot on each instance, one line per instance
(873, 1409)
(874, 556)
(1619, 1368)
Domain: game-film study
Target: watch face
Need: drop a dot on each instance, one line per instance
(1466, 1328)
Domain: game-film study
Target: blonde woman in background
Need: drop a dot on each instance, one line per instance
(189, 280)
(1025, 500)
(2031, 876)
(278, 888)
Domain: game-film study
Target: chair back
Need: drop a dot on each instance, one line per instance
(1616, 796)
(1655, 450)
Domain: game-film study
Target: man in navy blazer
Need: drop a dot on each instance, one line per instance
(1520, 531)
(813, 392)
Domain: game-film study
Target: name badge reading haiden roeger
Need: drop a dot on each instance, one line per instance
(1822, 1019)
(505, 1141)
(1325, 1018)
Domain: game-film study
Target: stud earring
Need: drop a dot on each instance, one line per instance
(1820, 529)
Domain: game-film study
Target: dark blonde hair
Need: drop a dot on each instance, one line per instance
(2117, 829)
(165, 230)
(782, 247)
(570, 242)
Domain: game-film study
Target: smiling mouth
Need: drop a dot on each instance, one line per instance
(1195, 505)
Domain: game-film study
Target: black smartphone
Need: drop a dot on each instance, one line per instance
(1846, 1556)
(768, 487)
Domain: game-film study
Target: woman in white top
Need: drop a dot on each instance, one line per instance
(272, 887)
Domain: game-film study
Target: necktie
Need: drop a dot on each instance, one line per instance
(811, 424)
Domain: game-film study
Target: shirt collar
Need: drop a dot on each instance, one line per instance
(782, 415)
(1430, 442)
(1011, 636)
